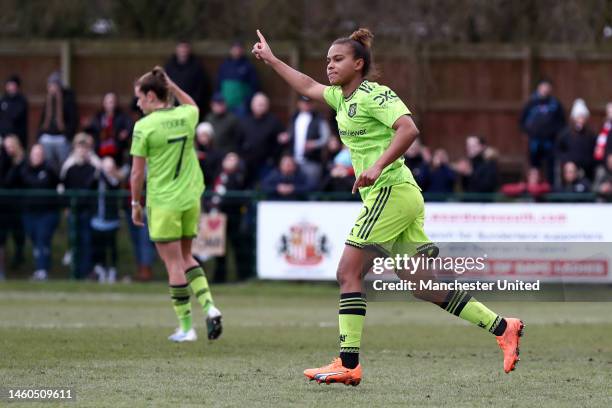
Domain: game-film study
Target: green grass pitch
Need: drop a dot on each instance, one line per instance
(109, 344)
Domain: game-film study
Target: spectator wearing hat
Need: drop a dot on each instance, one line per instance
(308, 133)
(14, 111)
(577, 142)
(186, 70)
(208, 155)
(237, 80)
(542, 120)
(227, 136)
(58, 121)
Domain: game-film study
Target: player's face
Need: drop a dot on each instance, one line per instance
(144, 102)
(341, 65)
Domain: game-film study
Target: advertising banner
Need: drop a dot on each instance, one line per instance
(304, 240)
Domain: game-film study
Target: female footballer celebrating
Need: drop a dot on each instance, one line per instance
(163, 140)
(377, 128)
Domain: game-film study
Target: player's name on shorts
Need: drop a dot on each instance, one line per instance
(424, 284)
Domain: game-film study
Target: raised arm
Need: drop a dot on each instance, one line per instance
(302, 83)
(181, 96)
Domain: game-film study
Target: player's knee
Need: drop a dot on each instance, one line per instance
(346, 275)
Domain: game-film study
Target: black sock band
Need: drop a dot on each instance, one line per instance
(455, 301)
(193, 273)
(179, 294)
(349, 357)
(352, 303)
(499, 326)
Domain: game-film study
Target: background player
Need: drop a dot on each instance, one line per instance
(164, 141)
(377, 128)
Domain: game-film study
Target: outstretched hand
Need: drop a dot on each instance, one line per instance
(262, 50)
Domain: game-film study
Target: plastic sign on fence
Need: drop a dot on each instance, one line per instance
(211, 236)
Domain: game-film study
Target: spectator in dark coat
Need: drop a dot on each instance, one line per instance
(572, 181)
(577, 141)
(58, 122)
(111, 129)
(542, 120)
(340, 174)
(231, 178)
(262, 133)
(14, 111)
(287, 182)
(237, 80)
(186, 70)
(479, 172)
(12, 160)
(441, 177)
(603, 181)
(227, 129)
(417, 158)
(41, 213)
(80, 174)
(208, 155)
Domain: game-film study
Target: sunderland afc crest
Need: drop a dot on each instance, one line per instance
(352, 110)
(304, 244)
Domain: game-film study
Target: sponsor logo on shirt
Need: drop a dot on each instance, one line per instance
(384, 97)
(360, 132)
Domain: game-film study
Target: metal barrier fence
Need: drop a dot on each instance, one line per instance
(81, 206)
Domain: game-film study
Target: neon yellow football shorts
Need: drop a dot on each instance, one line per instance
(169, 225)
(391, 221)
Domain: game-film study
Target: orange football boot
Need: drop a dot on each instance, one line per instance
(509, 343)
(335, 373)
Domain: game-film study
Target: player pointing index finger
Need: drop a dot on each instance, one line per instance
(378, 128)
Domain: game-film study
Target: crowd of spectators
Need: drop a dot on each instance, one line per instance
(241, 146)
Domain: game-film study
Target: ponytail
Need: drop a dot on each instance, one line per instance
(154, 81)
